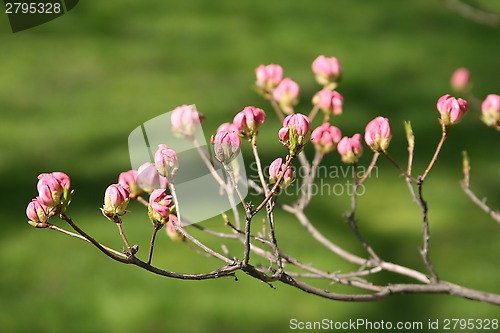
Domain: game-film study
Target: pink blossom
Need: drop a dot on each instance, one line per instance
(276, 168)
(490, 109)
(268, 77)
(378, 134)
(116, 199)
(149, 179)
(328, 71)
(160, 206)
(326, 137)
(37, 211)
(166, 161)
(350, 149)
(249, 120)
(329, 101)
(451, 109)
(185, 120)
(226, 146)
(287, 95)
(460, 80)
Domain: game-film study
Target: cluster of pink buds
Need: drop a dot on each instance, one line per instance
(295, 132)
(326, 137)
(226, 146)
(328, 71)
(276, 169)
(350, 149)
(52, 188)
(166, 161)
(249, 120)
(378, 134)
(451, 109)
(116, 199)
(159, 207)
(268, 78)
(328, 101)
(490, 109)
(185, 121)
(54, 195)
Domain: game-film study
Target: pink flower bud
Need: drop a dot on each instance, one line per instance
(490, 109)
(451, 109)
(37, 212)
(226, 146)
(172, 231)
(276, 168)
(329, 101)
(350, 149)
(50, 189)
(328, 71)
(129, 178)
(326, 138)
(460, 80)
(268, 78)
(287, 95)
(378, 134)
(249, 120)
(295, 132)
(185, 120)
(166, 161)
(149, 179)
(63, 179)
(228, 127)
(160, 206)
(300, 123)
(116, 199)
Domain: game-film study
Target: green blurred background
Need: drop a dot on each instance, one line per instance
(72, 90)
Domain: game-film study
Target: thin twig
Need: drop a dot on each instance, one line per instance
(204, 156)
(313, 113)
(72, 234)
(495, 215)
(426, 234)
(473, 13)
(306, 195)
(187, 235)
(255, 151)
(124, 238)
(275, 187)
(152, 244)
(351, 216)
(396, 164)
(370, 168)
(435, 156)
(277, 109)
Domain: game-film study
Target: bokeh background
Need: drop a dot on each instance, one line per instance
(72, 90)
